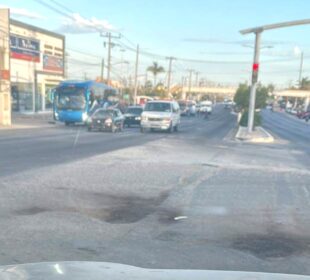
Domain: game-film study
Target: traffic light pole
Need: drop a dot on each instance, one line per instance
(255, 69)
(258, 32)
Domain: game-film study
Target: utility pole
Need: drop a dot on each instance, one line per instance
(183, 83)
(110, 45)
(300, 67)
(136, 76)
(255, 68)
(197, 82)
(109, 58)
(169, 74)
(190, 80)
(102, 70)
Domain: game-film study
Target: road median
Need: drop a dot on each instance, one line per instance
(258, 135)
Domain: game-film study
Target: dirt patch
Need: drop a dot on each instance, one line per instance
(120, 209)
(271, 246)
(30, 211)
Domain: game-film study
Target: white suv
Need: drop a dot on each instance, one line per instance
(162, 115)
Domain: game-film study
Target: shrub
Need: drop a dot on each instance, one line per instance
(244, 119)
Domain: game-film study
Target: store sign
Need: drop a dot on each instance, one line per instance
(25, 48)
(53, 63)
(5, 74)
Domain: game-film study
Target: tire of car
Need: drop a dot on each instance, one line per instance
(113, 128)
(121, 127)
(176, 128)
(169, 130)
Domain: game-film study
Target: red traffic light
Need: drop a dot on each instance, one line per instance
(255, 66)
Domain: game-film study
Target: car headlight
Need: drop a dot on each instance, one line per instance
(144, 118)
(84, 117)
(166, 119)
(108, 121)
(138, 118)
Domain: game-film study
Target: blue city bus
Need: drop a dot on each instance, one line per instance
(74, 101)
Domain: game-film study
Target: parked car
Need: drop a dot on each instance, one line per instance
(106, 120)
(161, 115)
(303, 114)
(133, 115)
(306, 116)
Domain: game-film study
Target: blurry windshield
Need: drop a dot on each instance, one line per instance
(157, 107)
(70, 98)
(135, 111)
(103, 114)
(167, 134)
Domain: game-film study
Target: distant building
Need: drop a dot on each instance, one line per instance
(37, 65)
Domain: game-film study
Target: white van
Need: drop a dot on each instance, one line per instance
(206, 106)
(162, 115)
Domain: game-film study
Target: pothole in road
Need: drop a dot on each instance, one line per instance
(121, 209)
(30, 211)
(271, 246)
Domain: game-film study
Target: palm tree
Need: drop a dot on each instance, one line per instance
(155, 69)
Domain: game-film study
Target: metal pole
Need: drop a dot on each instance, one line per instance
(197, 74)
(300, 68)
(254, 82)
(190, 81)
(169, 75)
(136, 76)
(109, 58)
(102, 70)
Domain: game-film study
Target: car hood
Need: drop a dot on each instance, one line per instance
(113, 271)
(128, 115)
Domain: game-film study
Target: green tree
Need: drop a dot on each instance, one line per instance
(155, 69)
(242, 96)
(304, 83)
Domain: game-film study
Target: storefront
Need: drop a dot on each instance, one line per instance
(37, 65)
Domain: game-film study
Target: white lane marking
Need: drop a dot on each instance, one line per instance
(76, 138)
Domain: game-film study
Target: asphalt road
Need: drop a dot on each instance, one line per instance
(288, 127)
(193, 199)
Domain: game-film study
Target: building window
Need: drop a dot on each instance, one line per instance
(48, 47)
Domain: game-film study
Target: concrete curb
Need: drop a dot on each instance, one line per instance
(260, 135)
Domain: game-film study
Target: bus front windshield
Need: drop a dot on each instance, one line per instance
(70, 98)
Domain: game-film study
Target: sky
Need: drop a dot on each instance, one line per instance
(202, 35)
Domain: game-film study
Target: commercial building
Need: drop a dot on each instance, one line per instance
(37, 64)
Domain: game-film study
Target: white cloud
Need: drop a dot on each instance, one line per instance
(297, 51)
(78, 24)
(20, 12)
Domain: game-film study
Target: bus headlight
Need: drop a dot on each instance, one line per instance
(84, 117)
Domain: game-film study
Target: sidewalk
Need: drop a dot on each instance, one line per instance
(259, 135)
(29, 120)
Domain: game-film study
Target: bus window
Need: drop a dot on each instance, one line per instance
(71, 98)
